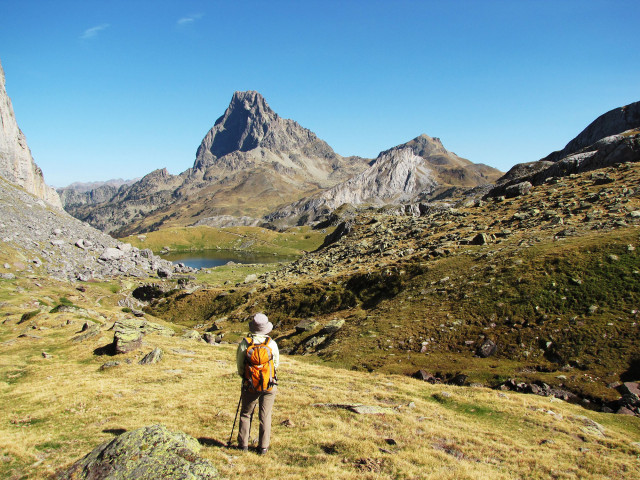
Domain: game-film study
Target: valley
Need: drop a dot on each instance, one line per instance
(436, 318)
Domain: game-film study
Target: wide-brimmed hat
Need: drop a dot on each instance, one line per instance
(260, 324)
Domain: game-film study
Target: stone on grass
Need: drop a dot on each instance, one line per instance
(154, 356)
(192, 335)
(90, 331)
(109, 364)
(425, 376)
(306, 325)
(127, 337)
(148, 453)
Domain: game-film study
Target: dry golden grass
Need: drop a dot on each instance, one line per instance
(55, 410)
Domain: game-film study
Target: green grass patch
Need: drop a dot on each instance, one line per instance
(251, 239)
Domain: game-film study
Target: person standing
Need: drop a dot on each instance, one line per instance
(259, 383)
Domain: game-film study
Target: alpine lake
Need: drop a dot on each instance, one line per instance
(216, 258)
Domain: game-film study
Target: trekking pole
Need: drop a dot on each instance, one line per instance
(234, 420)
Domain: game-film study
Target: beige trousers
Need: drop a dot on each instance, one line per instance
(249, 401)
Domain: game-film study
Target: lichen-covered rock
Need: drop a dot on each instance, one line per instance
(148, 453)
(126, 337)
(306, 325)
(192, 335)
(129, 332)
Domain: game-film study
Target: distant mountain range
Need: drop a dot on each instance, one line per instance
(257, 167)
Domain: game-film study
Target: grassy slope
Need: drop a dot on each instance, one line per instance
(57, 409)
(254, 239)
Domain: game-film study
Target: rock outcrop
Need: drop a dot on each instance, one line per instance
(613, 122)
(16, 162)
(608, 151)
(147, 453)
(610, 139)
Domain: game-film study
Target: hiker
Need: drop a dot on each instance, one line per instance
(259, 381)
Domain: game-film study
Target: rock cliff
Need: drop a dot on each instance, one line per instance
(16, 162)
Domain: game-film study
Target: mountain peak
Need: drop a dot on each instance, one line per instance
(244, 124)
(251, 102)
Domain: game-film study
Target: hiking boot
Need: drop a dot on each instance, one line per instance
(262, 451)
(244, 449)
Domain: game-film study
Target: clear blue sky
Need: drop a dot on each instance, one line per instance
(108, 89)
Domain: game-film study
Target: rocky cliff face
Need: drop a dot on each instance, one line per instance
(91, 193)
(401, 174)
(16, 162)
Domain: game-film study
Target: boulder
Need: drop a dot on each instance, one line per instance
(251, 278)
(126, 338)
(192, 335)
(210, 338)
(425, 376)
(164, 272)
(129, 332)
(333, 326)
(630, 388)
(518, 189)
(111, 254)
(154, 356)
(147, 453)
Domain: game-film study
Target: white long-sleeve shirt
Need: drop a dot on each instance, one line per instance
(242, 348)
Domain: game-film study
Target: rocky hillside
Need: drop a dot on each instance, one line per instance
(16, 162)
(415, 170)
(37, 238)
(610, 139)
(250, 162)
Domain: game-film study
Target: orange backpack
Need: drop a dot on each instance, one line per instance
(259, 371)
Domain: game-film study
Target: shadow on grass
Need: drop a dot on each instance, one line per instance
(211, 442)
(108, 350)
(114, 431)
